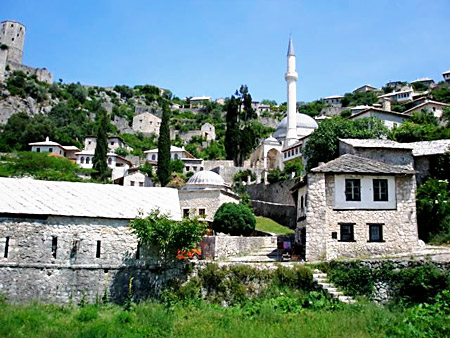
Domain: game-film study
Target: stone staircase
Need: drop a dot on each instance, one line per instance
(321, 279)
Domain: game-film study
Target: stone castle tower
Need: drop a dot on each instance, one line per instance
(12, 34)
(12, 39)
(291, 77)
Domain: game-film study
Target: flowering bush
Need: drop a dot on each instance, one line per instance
(189, 254)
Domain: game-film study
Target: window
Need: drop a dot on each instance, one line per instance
(82, 160)
(194, 168)
(88, 159)
(187, 168)
(132, 183)
(376, 233)
(141, 184)
(54, 246)
(109, 160)
(380, 190)
(202, 212)
(5, 254)
(153, 157)
(175, 156)
(99, 246)
(38, 150)
(138, 251)
(353, 190)
(347, 232)
(185, 213)
(50, 150)
(112, 143)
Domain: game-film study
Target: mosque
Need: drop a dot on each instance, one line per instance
(286, 142)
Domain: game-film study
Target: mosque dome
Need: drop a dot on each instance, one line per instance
(207, 177)
(271, 140)
(305, 126)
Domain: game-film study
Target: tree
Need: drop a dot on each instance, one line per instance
(164, 173)
(323, 144)
(99, 161)
(234, 219)
(232, 129)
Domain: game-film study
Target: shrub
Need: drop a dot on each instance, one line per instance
(234, 219)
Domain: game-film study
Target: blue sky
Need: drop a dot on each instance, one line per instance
(203, 47)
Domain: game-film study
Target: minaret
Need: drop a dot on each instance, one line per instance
(291, 77)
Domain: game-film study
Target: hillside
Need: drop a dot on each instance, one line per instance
(31, 110)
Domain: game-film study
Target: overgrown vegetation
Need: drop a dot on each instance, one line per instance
(268, 225)
(40, 166)
(169, 237)
(234, 219)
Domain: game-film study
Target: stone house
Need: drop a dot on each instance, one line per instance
(55, 149)
(203, 194)
(146, 123)
(391, 119)
(64, 240)
(135, 178)
(354, 207)
(435, 107)
(334, 100)
(365, 88)
(114, 142)
(176, 153)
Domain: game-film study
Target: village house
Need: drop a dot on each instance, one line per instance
(426, 81)
(365, 88)
(403, 95)
(135, 178)
(446, 76)
(333, 100)
(176, 153)
(203, 194)
(391, 119)
(354, 207)
(65, 241)
(114, 142)
(55, 149)
(146, 123)
(435, 107)
(207, 132)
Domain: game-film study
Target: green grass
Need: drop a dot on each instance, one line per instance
(152, 319)
(268, 225)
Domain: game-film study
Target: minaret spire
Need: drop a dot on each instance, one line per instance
(291, 77)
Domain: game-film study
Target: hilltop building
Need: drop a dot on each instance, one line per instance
(446, 76)
(146, 123)
(12, 39)
(55, 149)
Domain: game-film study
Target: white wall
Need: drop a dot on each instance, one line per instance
(367, 201)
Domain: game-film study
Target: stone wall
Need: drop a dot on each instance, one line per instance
(276, 192)
(281, 213)
(322, 220)
(3, 57)
(390, 156)
(81, 267)
(42, 73)
(220, 247)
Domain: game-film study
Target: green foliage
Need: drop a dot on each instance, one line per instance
(412, 132)
(147, 169)
(121, 151)
(234, 219)
(232, 130)
(242, 175)
(22, 85)
(271, 103)
(346, 113)
(124, 91)
(40, 166)
(269, 225)
(168, 236)
(164, 172)
(411, 285)
(420, 86)
(441, 93)
(359, 98)
(312, 108)
(323, 144)
(100, 164)
(294, 166)
(424, 117)
(176, 166)
(433, 208)
(140, 143)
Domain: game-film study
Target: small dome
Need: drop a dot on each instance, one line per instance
(206, 178)
(271, 140)
(305, 126)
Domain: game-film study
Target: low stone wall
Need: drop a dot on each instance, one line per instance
(276, 192)
(220, 247)
(281, 213)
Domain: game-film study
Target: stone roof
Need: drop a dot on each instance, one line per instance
(33, 197)
(377, 110)
(351, 164)
(427, 148)
(375, 143)
(206, 177)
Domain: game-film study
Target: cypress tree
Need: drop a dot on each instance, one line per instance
(164, 148)
(232, 131)
(99, 161)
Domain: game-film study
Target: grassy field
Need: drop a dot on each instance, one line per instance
(195, 320)
(268, 225)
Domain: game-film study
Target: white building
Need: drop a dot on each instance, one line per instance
(114, 142)
(437, 108)
(334, 100)
(391, 119)
(55, 148)
(85, 160)
(176, 153)
(136, 178)
(400, 96)
(203, 194)
(146, 123)
(446, 76)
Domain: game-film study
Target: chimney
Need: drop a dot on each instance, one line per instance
(387, 104)
(47, 139)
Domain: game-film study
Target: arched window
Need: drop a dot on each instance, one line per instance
(88, 160)
(82, 160)
(176, 156)
(153, 157)
(109, 160)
